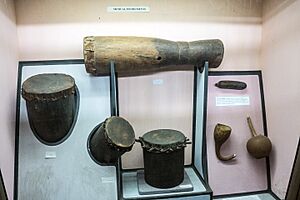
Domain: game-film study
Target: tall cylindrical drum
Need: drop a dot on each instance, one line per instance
(51, 106)
(163, 152)
(110, 140)
(143, 54)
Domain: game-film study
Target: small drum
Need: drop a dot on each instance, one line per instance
(51, 106)
(110, 139)
(163, 152)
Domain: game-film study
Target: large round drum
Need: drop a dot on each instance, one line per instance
(51, 106)
(110, 140)
(163, 152)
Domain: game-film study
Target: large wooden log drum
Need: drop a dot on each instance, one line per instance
(111, 139)
(163, 152)
(142, 54)
(51, 106)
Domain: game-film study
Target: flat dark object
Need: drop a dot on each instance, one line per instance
(146, 189)
(233, 85)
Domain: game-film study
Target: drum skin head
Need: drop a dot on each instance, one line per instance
(164, 137)
(120, 132)
(48, 87)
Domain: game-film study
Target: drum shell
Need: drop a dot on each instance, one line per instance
(51, 120)
(142, 54)
(164, 170)
(102, 150)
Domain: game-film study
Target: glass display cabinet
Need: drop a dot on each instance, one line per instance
(67, 171)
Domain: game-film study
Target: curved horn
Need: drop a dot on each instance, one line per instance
(221, 134)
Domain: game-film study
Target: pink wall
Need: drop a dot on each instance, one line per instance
(54, 30)
(280, 61)
(160, 100)
(248, 172)
(8, 65)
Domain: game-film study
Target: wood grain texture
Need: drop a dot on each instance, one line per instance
(140, 54)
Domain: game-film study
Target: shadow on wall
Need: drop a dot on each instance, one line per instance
(77, 11)
(272, 7)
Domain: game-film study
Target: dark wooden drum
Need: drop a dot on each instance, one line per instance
(110, 140)
(51, 106)
(163, 152)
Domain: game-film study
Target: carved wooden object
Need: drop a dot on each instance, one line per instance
(141, 54)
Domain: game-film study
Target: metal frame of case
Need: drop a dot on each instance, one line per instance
(3, 194)
(293, 190)
(202, 175)
(259, 74)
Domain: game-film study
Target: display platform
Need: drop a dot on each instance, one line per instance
(131, 191)
(262, 196)
(145, 188)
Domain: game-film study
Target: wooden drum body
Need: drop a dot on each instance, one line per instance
(163, 152)
(51, 106)
(111, 139)
(143, 54)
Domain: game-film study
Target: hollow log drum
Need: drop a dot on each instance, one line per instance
(114, 137)
(142, 54)
(51, 106)
(163, 152)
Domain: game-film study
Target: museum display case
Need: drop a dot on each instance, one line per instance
(125, 100)
(57, 162)
(204, 176)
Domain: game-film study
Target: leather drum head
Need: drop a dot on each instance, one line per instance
(119, 132)
(163, 140)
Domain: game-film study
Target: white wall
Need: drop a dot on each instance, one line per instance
(8, 65)
(280, 62)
